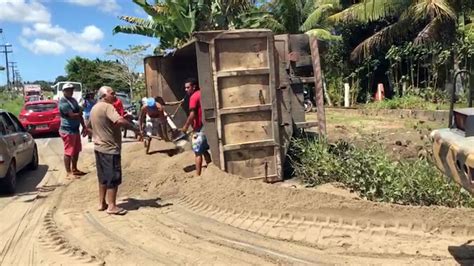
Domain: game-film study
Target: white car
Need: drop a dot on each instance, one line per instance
(18, 151)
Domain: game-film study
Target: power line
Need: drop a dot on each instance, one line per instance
(13, 65)
(6, 51)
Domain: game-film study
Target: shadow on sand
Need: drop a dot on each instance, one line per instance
(132, 204)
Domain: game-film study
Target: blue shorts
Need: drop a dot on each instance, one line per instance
(199, 143)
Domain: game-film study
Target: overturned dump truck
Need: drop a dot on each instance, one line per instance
(251, 106)
(453, 147)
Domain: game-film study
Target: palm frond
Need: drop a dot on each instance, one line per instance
(469, 31)
(430, 32)
(434, 9)
(323, 35)
(385, 37)
(370, 10)
(145, 23)
(134, 29)
(149, 9)
(317, 17)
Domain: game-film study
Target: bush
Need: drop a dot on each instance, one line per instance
(369, 172)
(406, 102)
(11, 104)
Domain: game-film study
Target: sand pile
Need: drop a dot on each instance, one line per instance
(171, 177)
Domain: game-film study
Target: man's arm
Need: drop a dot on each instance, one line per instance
(174, 103)
(67, 110)
(114, 116)
(142, 118)
(192, 115)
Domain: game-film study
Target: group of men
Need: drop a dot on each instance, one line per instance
(102, 121)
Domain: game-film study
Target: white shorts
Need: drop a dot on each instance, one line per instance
(152, 126)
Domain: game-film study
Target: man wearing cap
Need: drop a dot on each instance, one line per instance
(71, 120)
(105, 123)
(157, 125)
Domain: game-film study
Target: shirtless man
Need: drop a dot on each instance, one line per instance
(154, 109)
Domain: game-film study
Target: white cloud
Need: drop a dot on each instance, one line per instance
(23, 11)
(104, 5)
(92, 33)
(60, 39)
(41, 46)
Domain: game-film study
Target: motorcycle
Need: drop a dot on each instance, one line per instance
(131, 115)
(308, 103)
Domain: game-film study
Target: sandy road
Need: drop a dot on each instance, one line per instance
(21, 215)
(52, 221)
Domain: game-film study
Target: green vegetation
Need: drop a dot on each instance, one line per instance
(406, 102)
(369, 172)
(120, 73)
(11, 104)
(412, 102)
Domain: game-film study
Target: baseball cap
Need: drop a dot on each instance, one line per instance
(150, 102)
(68, 86)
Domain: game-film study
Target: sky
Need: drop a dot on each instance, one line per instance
(44, 34)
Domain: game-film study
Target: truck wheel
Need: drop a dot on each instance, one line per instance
(8, 183)
(308, 105)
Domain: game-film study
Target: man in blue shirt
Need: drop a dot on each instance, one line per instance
(71, 120)
(87, 105)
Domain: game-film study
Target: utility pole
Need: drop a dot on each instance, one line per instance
(6, 51)
(13, 66)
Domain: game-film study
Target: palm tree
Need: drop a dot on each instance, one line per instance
(295, 16)
(174, 21)
(421, 21)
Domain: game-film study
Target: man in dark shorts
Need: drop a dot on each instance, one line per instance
(199, 140)
(71, 120)
(105, 123)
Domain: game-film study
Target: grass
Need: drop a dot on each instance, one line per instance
(11, 105)
(374, 176)
(410, 102)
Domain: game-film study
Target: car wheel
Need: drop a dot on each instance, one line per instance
(34, 160)
(9, 181)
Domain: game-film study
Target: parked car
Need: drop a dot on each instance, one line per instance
(18, 150)
(41, 117)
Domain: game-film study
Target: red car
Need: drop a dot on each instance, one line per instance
(41, 117)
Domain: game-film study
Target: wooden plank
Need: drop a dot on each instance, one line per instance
(208, 102)
(243, 54)
(244, 35)
(268, 178)
(297, 103)
(247, 109)
(318, 88)
(152, 74)
(246, 127)
(243, 72)
(244, 91)
(249, 145)
(252, 162)
(307, 124)
(278, 156)
(219, 128)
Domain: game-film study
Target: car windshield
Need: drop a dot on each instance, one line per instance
(40, 107)
(124, 99)
(34, 98)
(29, 93)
